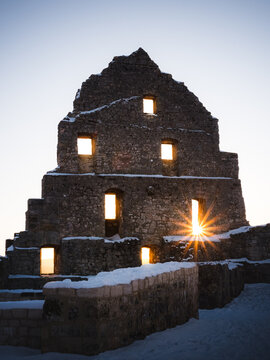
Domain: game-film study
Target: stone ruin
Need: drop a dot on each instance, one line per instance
(153, 196)
(139, 172)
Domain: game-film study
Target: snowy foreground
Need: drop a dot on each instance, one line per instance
(241, 330)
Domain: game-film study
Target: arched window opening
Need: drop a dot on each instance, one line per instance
(47, 256)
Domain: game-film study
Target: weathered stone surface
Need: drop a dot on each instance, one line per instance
(126, 159)
(218, 285)
(89, 325)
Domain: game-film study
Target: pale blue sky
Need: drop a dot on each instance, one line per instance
(220, 49)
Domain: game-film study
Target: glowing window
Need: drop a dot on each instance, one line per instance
(148, 106)
(145, 254)
(110, 206)
(166, 151)
(84, 146)
(47, 260)
(196, 228)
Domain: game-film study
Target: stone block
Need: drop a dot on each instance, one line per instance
(34, 313)
(66, 292)
(127, 289)
(135, 285)
(117, 290)
(19, 313)
(88, 292)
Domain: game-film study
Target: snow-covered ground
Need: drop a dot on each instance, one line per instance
(240, 330)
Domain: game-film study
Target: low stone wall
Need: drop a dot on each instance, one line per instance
(93, 320)
(21, 327)
(84, 256)
(4, 271)
(219, 283)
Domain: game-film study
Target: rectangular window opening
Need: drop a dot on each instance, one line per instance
(196, 228)
(148, 106)
(167, 151)
(110, 206)
(47, 261)
(145, 255)
(85, 146)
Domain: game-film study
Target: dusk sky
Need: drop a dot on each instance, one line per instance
(220, 49)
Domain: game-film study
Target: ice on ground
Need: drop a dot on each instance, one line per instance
(25, 304)
(121, 276)
(240, 330)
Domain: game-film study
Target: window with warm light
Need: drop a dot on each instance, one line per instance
(145, 255)
(167, 151)
(85, 146)
(148, 106)
(196, 228)
(47, 260)
(110, 206)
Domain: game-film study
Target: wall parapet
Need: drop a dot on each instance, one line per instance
(114, 309)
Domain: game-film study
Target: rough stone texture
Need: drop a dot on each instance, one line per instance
(253, 245)
(218, 285)
(21, 327)
(96, 256)
(4, 271)
(109, 109)
(94, 320)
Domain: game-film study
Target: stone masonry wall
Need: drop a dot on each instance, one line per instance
(21, 327)
(90, 256)
(151, 207)
(89, 321)
(253, 245)
(219, 284)
(4, 271)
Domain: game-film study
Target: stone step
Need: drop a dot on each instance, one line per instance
(20, 295)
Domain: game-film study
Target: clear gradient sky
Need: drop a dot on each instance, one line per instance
(220, 49)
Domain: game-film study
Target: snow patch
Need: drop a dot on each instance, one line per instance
(204, 238)
(25, 304)
(72, 119)
(121, 276)
(141, 175)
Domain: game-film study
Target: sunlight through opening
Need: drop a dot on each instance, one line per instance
(196, 228)
(145, 254)
(84, 146)
(110, 206)
(166, 151)
(47, 261)
(148, 106)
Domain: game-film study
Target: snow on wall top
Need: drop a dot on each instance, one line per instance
(121, 276)
(72, 119)
(114, 239)
(143, 175)
(202, 238)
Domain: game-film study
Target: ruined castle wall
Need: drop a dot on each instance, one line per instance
(129, 141)
(20, 326)
(90, 256)
(151, 207)
(93, 320)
